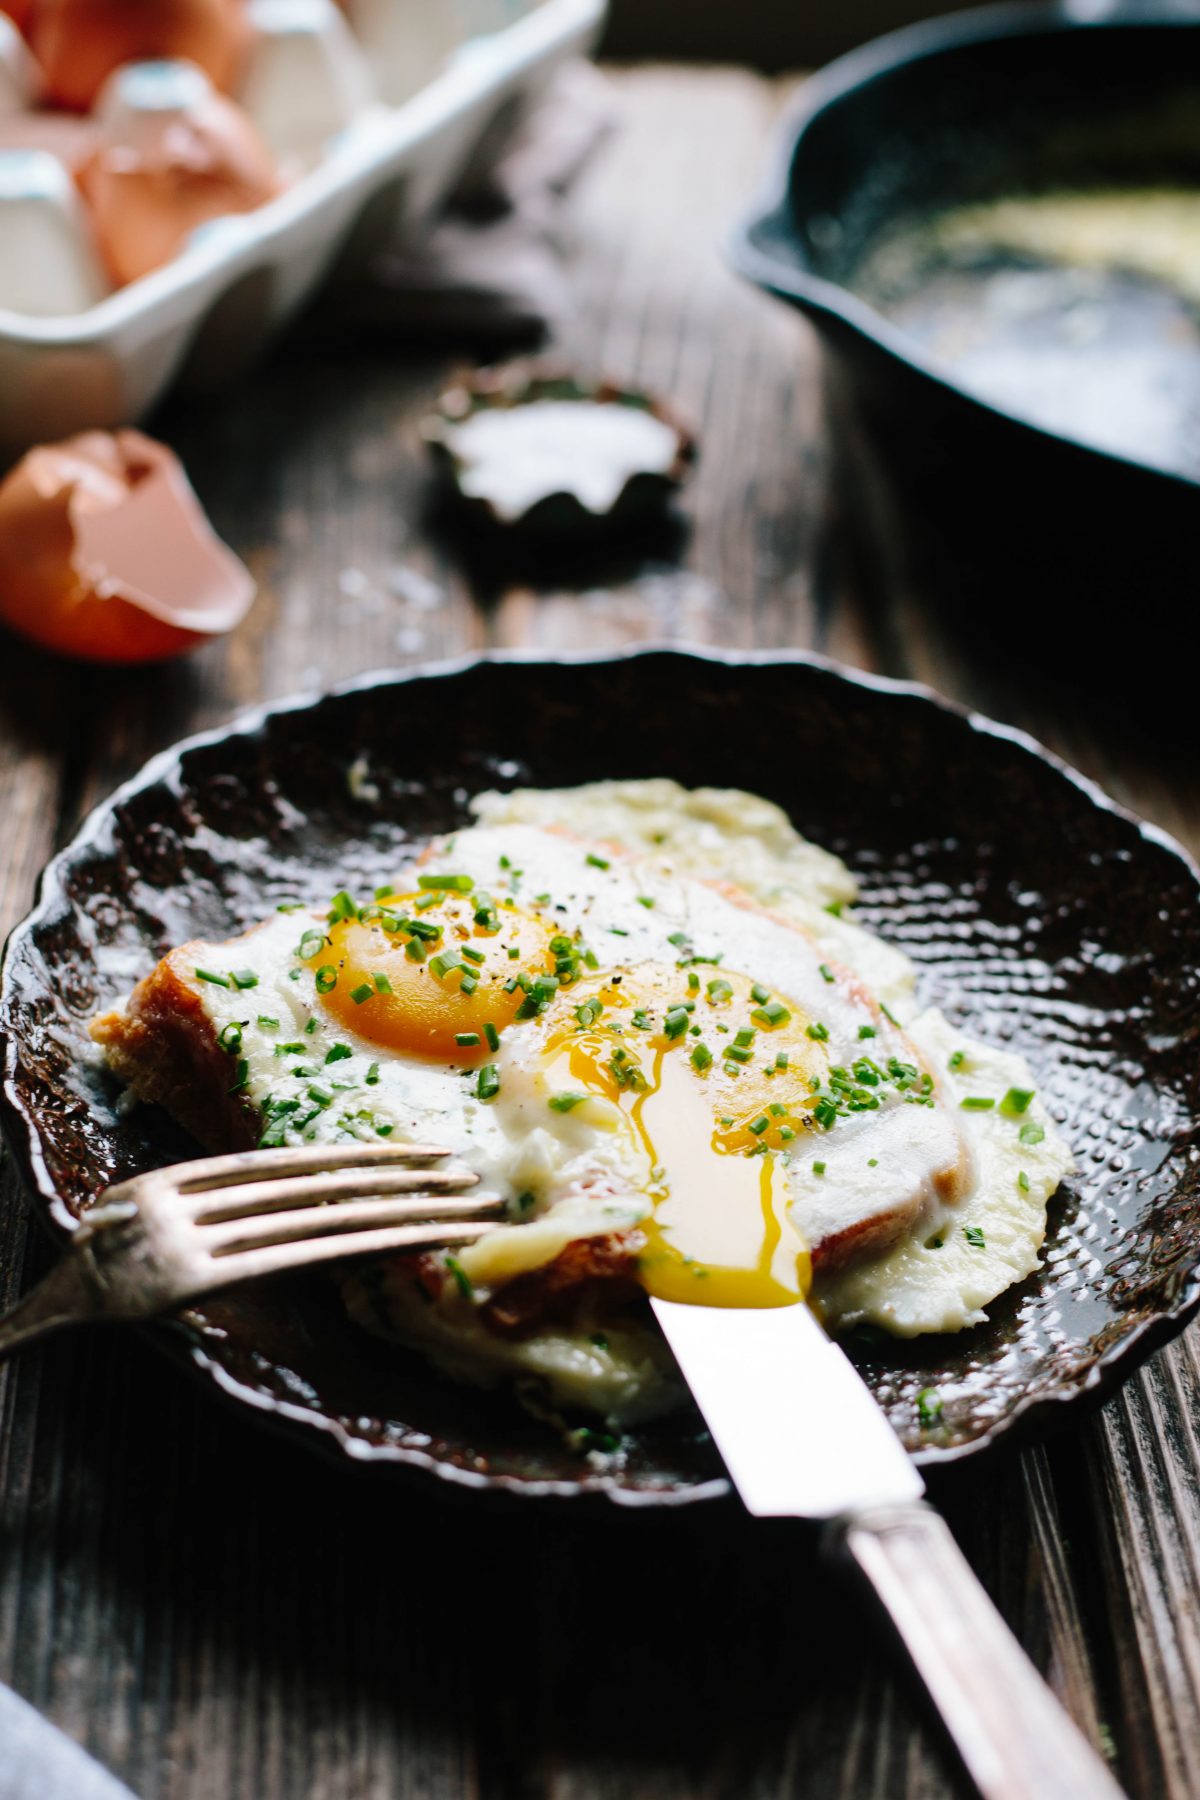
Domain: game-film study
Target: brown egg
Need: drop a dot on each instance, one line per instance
(106, 554)
(19, 11)
(164, 169)
(80, 42)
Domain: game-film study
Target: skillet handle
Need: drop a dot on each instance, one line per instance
(1013, 1737)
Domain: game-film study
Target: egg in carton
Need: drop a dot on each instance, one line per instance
(167, 114)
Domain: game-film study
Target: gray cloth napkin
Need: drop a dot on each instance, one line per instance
(38, 1763)
(491, 265)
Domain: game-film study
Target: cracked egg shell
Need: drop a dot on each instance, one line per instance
(106, 553)
(80, 42)
(546, 451)
(175, 155)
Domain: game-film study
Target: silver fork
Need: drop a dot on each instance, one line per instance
(155, 1243)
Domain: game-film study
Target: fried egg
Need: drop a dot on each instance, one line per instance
(726, 1088)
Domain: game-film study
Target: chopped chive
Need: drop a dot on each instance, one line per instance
(975, 1237)
(977, 1103)
(245, 978)
(786, 1134)
(957, 1060)
(718, 990)
(372, 1075)
(772, 1015)
(563, 1103)
(737, 1053)
(760, 993)
(1031, 1133)
(818, 1031)
(475, 956)
(319, 1096)
(492, 1035)
(465, 1285)
(1016, 1101)
(267, 1023)
(241, 1077)
(383, 893)
(929, 1406)
(231, 1038)
(759, 1125)
(360, 994)
(645, 900)
(468, 985)
(676, 1022)
(1023, 1182)
(701, 1057)
(344, 907)
(818, 1168)
(866, 1031)
(310, 1027)
(781, 1059)
(382, 984)
(487, 1086)
(514, 950)
(467, 1040)
(745, 1037)
(310, 945)
(457, 884)
(889, 1015)
(597, 862)
(415, 950)
(326, 979)
(442, 964)
(208, 975)
(827, 973)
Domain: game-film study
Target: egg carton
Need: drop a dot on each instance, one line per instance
(203, 317)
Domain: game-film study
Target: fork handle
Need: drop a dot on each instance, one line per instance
(66, 1296)
(1011, 1733)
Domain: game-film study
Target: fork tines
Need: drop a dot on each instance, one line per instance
(262, 1165)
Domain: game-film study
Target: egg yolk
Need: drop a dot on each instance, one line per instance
(436, 974)
(713, 1083)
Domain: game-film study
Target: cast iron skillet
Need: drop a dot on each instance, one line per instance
(1037, 912)
(1006, 99)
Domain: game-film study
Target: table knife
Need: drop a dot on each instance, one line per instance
(802, 1437)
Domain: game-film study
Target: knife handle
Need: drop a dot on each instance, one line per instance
(1011, 1733)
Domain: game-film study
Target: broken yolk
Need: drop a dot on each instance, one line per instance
(711, 1104)
(430, 980)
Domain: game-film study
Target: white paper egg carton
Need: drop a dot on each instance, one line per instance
(205, 315)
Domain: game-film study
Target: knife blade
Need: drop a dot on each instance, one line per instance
(799, 1431)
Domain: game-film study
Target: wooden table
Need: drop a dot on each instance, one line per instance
(220, 1617)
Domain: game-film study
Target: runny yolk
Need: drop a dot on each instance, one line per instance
(436, 995)
(719, 1234)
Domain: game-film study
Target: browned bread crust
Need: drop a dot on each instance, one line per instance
(164, 1047)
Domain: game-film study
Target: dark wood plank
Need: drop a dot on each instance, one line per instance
(223, 1618)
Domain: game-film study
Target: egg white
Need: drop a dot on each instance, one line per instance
(585, 1174)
